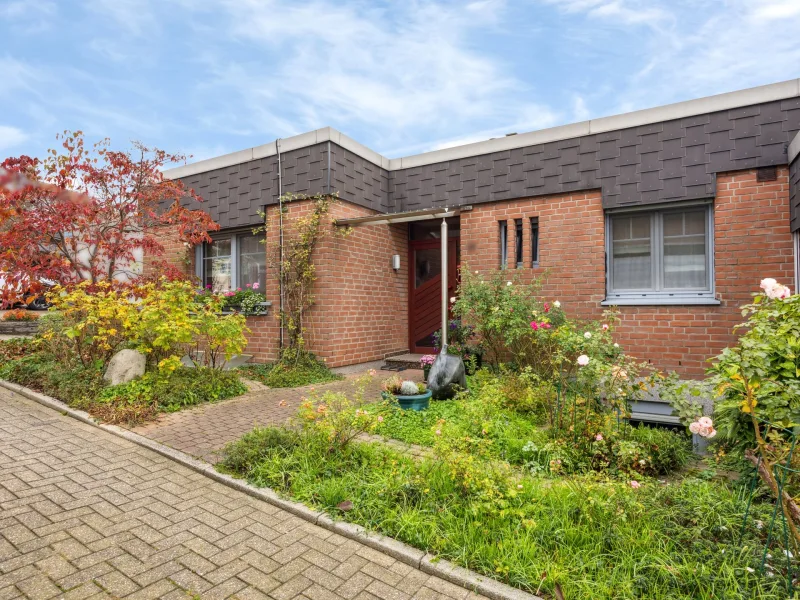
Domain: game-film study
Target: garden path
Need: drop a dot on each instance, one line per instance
(84, 513)
(202, 431)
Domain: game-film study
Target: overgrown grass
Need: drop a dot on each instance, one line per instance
(591, 536)
(520, 440)
(130, 403)
(289, 375)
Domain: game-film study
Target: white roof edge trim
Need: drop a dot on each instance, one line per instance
(794, 148)
(679, 110)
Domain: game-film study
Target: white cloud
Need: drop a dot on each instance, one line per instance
(775, 9)
(10, 137)
(395, 68)
(623, 11)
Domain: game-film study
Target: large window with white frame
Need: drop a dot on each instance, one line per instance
(661, 256)
(233, 261)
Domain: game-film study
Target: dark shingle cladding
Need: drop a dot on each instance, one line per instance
(665, 161)
(660, 162)
(794, 193)
(234, 195)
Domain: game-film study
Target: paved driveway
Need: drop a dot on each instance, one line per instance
(85, 514)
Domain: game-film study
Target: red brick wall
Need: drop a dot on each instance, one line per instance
(175, 253)
(752, 241)
(361, 308)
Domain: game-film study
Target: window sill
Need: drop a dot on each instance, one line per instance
(662, 301)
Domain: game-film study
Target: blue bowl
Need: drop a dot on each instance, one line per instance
(417, 402)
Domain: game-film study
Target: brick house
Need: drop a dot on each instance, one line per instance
(673, 214)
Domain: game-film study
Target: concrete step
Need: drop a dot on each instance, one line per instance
(408, 360)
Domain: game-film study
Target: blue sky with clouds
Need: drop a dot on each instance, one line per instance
(205, 77)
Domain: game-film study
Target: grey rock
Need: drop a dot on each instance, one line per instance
(447, 376)
(124, 366)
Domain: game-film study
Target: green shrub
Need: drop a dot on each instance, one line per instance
(75, 384)
(176, 390)
(290, 375)
(248, 452)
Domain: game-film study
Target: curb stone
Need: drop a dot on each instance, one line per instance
(427, 563)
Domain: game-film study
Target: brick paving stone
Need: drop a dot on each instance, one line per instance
(85, 514)
(202, 431)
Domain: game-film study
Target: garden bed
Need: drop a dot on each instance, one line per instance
(288, 375)
(589, 534)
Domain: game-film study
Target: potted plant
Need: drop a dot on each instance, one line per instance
(426, 362)
(409, 395)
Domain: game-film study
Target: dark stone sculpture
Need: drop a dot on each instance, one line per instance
(447, 376)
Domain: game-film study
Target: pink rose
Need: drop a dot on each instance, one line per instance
(705, 422)
(694, 427)
(238, 289)
(711, 433)
(605, 326)
(546, 307)
(534, 325)
(599, 437)
(255, 285)
(247, 285)
(438, 432)
(380, 419)
(635, 484)
(768, 283)
(546, 325)
(583, 360)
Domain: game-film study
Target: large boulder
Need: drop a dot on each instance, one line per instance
(124, 366)
(447, 376)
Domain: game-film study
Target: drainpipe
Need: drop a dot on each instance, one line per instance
(444, 282)
(280, 238)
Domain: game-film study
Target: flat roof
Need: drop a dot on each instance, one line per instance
(679, 110)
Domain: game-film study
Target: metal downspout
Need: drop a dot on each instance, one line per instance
(280, 238)
(445, 242)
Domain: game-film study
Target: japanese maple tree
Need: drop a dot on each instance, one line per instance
(88, 214)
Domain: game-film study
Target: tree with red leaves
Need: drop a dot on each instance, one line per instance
(85, 214)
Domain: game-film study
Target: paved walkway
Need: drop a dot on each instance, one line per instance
(85, 514)
(203, 430)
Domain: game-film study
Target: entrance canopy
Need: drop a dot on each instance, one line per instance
(405, 217)
(420, 215)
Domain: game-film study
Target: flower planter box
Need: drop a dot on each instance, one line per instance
(417, 402)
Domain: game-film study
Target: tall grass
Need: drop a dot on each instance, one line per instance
(595, 537)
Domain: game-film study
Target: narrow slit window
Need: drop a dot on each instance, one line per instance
(503, 244)
(534, 241)
(518, 242)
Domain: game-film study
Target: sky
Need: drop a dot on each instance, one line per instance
(207, 77)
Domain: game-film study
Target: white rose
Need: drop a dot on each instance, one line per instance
(557, 304)
(587, 335)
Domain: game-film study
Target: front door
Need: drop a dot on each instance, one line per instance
(425, 289)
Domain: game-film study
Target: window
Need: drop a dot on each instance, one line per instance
(661, 256)
(534, 241)
(518, 241)
(503, 244)
(234, 261)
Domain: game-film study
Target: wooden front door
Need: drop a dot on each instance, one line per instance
(425, 289)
